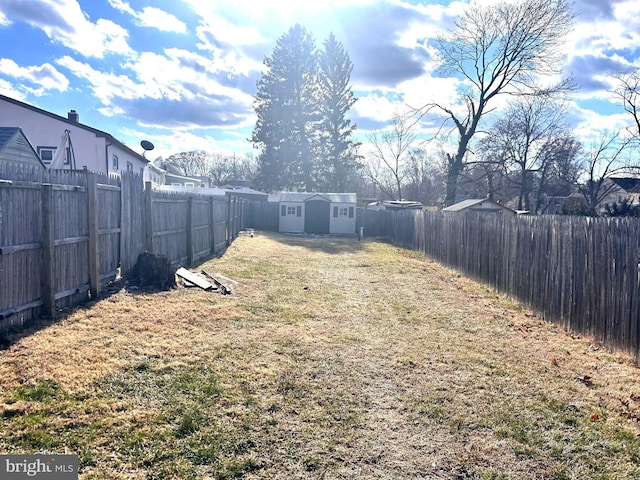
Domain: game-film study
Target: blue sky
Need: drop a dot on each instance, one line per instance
(182, 73)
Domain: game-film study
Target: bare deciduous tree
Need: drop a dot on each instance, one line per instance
(523, 140)
(606, 159)
(628, 91)
(387, 164)
(497, 49)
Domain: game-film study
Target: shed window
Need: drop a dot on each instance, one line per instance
(341, 212)
(291, 210)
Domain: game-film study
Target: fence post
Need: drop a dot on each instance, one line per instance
(94, 234)
(148, 213)
(236, 216)
(126, 200)
(212, 226)
(228, 234)
(48, 238)
(190, 231)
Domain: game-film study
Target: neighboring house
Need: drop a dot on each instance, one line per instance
(15, 148)
(333, 213)
(478, 205)
(622, 188)
(183, 180)
(160, 172)
(85, 146)
(154, 174)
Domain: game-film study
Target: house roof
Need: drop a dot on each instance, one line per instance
(628, 184)
(304, 196)
(98, 133)
(474, 202)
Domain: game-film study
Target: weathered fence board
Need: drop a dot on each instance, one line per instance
(582, 273)
(64, 235)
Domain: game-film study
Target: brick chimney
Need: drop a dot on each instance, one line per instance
(73, 116)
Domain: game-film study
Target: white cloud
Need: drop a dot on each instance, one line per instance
(226, 32)
(4, 20)
(45, 76)
(105, 86)
(8, 89)
(592, 124)
(376, 106)
(168, 144)
(156, 18)
(64, 22)
(151, 17)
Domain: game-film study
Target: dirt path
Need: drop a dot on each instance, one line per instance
(332, 359)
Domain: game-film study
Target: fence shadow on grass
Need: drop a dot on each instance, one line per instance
(330, 244)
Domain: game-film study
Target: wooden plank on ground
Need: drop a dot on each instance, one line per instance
(193, 278)
(225, 289)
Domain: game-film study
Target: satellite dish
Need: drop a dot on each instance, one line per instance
(147, 145)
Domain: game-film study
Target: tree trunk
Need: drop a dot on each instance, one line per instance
(453, 172)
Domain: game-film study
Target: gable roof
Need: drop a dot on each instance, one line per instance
(6, 134)
(98, 133)
(628, 184)
(300, 197)
(16, 137)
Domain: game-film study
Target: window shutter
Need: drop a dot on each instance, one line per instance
(350, 212)
(298, 211)
(283, 211)
(335, 212)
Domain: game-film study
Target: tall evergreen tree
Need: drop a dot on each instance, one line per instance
(338, 150)
(286, 105)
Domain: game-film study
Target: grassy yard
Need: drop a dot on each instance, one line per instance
(332, 359)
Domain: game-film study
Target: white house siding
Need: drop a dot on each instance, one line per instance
(293, 219)
(92, 149)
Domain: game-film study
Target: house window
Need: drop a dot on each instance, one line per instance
(129, 167)
(46, 154)
(115, 162)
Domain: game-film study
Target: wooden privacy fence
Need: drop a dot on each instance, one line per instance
(580, 272)
(65, 235)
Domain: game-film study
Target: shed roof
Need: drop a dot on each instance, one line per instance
(474, 202)
(300, 197)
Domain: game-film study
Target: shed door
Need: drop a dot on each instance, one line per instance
(316, 216)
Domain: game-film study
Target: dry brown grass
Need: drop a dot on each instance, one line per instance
(333, 358)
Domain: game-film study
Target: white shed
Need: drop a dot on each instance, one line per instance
(332, 213)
